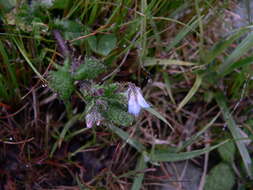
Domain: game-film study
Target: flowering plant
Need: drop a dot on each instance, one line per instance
(104, 102)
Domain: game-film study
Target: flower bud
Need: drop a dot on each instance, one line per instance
(92, 118)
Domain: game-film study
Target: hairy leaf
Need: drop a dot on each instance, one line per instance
(89, 70)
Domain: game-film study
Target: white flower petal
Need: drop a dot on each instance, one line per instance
(133, 106)
(134, 109)
(141, 101)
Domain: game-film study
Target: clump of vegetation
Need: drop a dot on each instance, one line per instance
(105, 94)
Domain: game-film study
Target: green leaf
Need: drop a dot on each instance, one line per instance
(221, 177)
(227, 151)
(109, 89)
(70, 29)
(92, 41)
(141, 166)
(106, 44)
(89, 70)
(118, 116)
(235, 131)
(102, 45)
(166, 156)
(62, 82)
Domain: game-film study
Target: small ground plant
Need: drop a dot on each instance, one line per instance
(120, 94)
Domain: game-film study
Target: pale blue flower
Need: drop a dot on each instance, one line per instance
(135, 100)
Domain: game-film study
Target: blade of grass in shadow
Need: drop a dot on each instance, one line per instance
(167, 156)
(126, 137)
(175, 21)
(193, 23)
(74, 8)
(80, 149)
(3, 89)
(222, 45)
(180, 9)
(159, 116)
(168, 87)
(8, 66)
(238, 64)
(155, 29)
(235, 131)
(141, 166)
(67, 126)
(197, 135)
(115, 14)
(240, 50)
(24, 54)
(63, 133)
(75, 133)
(143, 31)
(193, 90)
(94, 12)
(201, 29)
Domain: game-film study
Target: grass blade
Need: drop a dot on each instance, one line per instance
(67, 126)
(198, 134)
(150, 61)
(167, 156)
(241, 49)
(126, 137)
(238, 64)
(190, 27)
(221, 46)
(24, 54)
(190, 93)
(63, 133)
(168, 87)
(8, 65)
(159, 116)
(141, 166)
(235, 131)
